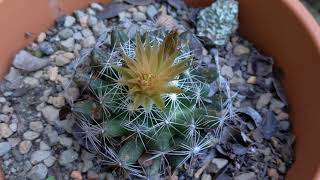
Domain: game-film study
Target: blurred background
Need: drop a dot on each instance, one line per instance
(314, 7)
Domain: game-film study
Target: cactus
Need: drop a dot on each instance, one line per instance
(218, 21)
(148, 97)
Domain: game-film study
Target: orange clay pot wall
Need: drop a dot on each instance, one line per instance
(283, 29)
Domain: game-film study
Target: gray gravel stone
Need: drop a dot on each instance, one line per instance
(218, 163)
(49, 161)
(240, 50)
(46, 48)
(13, 127)
(88, 42)
(139, 16)
(44, 146)
(65, 33)
(263, 100)
(67, 156)
(36, 126)
(30, 81)
(77, 36)
(227, 71)
(53, 137)
(14, 76)
(51, 114)
(14, 141)
(65, 141)
(71, 94)
(38, 172)
(67, 125)
(99, 28)
(151, 11)
(61, 60)
(284, 125)
(69, 21)
(206, 176)
(30, 135)
(92, 21)
(68, 44)
(27, 62)
(38, 156)
(4, 148)
(96, 6)
(246, 176)
(86, 32)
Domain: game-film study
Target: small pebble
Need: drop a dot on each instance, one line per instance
(272, 173)
(76, 175)
(38, 172)
(30, 135)
(4, 148)
(49, 161)
(67, 157)
(92, 175)
(284, 125)
(38, 156)
(13, 127)
(36, 126)
(139, 16)
(25, 146)
(69, 21)
(252, 80)
(44, 146)
(96, 6)
(5, 130)
(42, 36)
(240, 50)
(206, 177)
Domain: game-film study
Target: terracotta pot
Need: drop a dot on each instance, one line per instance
(283, 29)
(198, 3)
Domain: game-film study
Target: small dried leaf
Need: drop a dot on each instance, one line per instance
(238, 149)
(178, 4)
(261, 65)
(166, 21)
(193, 43)
(252, 113)
(139, 2)
(112, 10)
(279, 89)
(192, 14)
(269, 125)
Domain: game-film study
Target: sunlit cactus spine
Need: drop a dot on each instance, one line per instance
(147, 99)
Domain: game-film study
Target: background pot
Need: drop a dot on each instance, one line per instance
(281, 28)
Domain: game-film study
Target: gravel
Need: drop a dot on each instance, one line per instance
(5, 130)
(4, 148)
(36, 126)
(30, 135)
(46, 48)
(38, 172)
(68, 44)
(27, 62)
(51, 114)
(65, 33)
(67, 157)
(69, 21)
(25, 146)
(38, 156)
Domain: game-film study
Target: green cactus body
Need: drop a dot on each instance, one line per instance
(151, 99)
